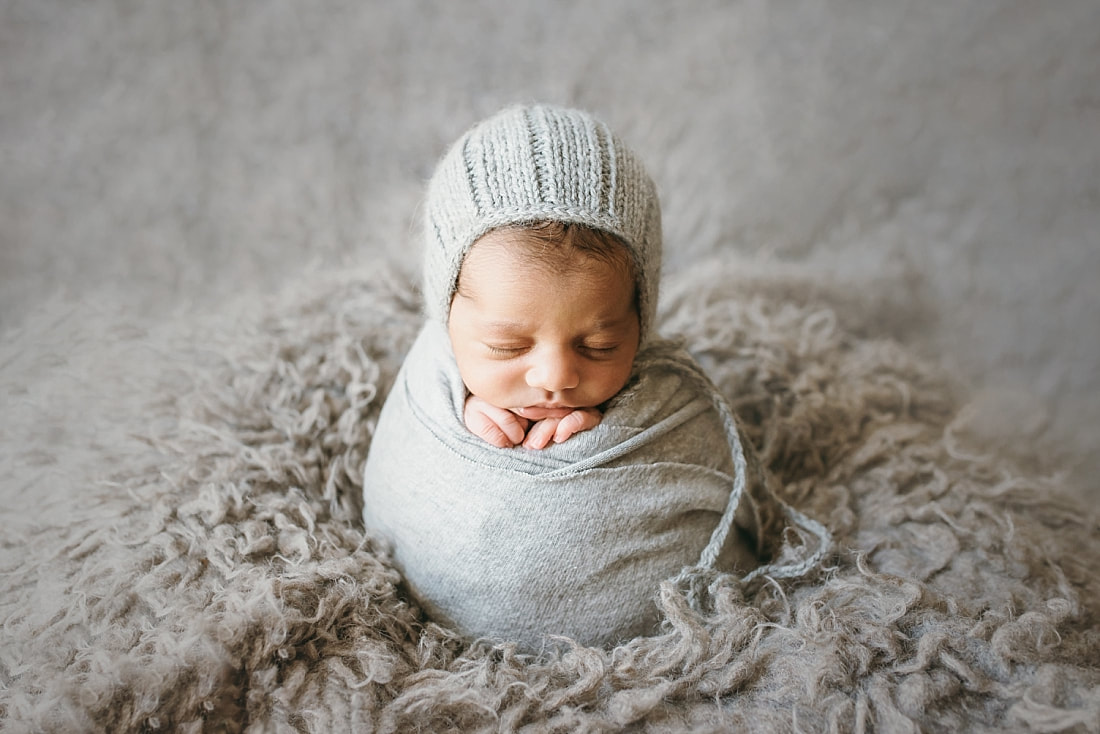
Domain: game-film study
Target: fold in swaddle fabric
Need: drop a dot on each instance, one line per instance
(572, 540)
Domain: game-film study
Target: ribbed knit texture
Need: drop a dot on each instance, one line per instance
(539, 163)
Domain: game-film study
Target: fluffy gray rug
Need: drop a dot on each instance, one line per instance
(219, 580)
(880, 227)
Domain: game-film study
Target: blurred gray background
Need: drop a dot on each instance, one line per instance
(157, 157)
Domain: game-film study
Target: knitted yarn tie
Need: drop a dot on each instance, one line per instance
(700, 581)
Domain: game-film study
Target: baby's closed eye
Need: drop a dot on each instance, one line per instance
(598, 351)
(506, 351)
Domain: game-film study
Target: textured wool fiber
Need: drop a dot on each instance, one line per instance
(172, 366)
(214, 577)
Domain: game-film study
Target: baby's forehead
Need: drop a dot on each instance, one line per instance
(495, 266)
(551, 246)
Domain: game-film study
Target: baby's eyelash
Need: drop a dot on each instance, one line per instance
(504, 351)
(599, 350)
(590, 350)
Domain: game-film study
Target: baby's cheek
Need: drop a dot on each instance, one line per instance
(493, 382)
(612, 380)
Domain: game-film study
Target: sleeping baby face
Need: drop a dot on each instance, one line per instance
(543, 331)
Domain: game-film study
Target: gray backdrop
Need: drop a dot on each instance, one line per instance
(159, 157)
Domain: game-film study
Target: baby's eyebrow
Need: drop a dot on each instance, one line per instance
(509, 328)
(610, 324)
(504, 327)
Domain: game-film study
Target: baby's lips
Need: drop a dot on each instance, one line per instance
(537, 413)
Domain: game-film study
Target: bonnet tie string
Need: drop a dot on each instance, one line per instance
(704, 575)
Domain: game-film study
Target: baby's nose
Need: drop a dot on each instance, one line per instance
(554, 372)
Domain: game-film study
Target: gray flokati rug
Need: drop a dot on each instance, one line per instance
(225, 585)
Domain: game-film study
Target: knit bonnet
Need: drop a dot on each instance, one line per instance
(537, 163)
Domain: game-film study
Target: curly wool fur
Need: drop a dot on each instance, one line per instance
(221, 582)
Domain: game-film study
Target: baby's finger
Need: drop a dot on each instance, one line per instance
(491, 433)
(494, 425)
(541, 433)
(575, 422)
(512, 426)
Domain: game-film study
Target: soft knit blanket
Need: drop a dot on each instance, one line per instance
(220, 580)
(571, 540)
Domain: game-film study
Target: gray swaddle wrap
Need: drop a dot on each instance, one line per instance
(574, 539)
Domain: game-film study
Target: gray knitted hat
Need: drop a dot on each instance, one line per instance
(539, 163)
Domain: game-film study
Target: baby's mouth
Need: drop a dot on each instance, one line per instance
(538, 412)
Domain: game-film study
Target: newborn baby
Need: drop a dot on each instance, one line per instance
(543, 460)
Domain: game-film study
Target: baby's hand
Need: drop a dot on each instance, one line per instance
(502, 428)
(559, 429)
